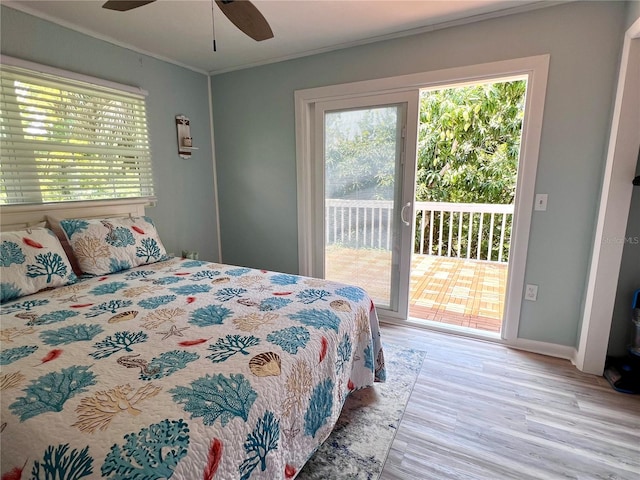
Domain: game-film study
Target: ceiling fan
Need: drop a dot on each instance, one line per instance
(242, 13)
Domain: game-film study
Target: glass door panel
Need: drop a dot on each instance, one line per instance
(363, 176)
(367, 168)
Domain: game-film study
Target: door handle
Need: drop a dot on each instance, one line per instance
(408, 204)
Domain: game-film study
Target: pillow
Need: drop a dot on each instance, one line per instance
(110, 245)
(31, 260)
(53, 224)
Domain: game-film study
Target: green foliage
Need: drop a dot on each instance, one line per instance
(150, 454)
(49, 392)
(61, 464)
(259, 443)
(217, 396)
(360, 152)
(469, 142)
(468, 148)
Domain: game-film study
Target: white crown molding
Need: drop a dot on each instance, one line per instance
(22, 7)
(406, 33)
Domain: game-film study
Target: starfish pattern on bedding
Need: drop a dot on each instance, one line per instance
(72, 298)
(172, 331)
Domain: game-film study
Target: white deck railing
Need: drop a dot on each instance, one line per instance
(462, 230)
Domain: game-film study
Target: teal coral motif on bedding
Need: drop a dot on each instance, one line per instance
(104, 246)
(31, 260)
(178, 369)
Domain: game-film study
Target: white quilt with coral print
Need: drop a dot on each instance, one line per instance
(182, 369)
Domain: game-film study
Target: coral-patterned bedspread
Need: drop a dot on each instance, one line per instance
(181, 369)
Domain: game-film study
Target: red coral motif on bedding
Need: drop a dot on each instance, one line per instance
(137, 229)
(52, 355)
(32, 243)
(350, 385)
(101, 279)
(191, 299)
(181, 274)
(215, 454)
(282, 293)
(323, 349)
(15, 473)
(289, 471)
(190, 343)
(81, 305)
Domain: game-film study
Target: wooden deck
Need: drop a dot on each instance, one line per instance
(466, 293)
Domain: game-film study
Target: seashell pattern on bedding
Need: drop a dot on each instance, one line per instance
(181, 369)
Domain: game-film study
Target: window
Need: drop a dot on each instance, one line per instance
(67, 139)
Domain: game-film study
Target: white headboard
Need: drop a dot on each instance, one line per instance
(14, 217)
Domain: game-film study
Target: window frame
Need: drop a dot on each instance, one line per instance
(70, 81)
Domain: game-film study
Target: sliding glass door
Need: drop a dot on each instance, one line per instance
(368, 189)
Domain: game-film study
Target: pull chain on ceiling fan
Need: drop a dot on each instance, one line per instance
(242, 13)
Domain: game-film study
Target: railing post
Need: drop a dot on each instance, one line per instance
(340, 215)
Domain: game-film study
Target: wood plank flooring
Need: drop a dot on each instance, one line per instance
(480, 410)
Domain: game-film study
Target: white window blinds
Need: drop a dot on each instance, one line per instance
(63, 140)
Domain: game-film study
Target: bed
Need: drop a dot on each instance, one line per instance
(173, 368)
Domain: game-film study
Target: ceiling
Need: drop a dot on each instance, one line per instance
(180, 31)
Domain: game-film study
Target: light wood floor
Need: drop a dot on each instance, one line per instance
(482, 411)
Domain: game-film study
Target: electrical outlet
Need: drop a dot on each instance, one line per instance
(531, 292)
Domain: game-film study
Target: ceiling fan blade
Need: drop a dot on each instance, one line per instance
(125, 5)
(244, 15)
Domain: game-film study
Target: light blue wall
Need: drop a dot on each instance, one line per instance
(185, 213)
(255, 141)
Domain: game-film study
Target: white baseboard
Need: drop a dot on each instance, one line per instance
(543, 348)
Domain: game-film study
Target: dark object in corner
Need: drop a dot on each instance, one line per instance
(636, 181)
(623, 373)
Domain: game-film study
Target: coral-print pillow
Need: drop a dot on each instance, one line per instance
(31, 260)
(110, 245)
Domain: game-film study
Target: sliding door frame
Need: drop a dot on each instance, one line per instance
(536, 71)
